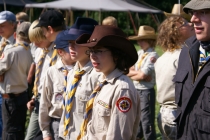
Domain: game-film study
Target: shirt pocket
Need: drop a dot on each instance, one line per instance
(179, 82)
(205, 103)
(102, 119)
(81, 100)
(58, 95)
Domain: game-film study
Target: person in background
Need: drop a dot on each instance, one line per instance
(81, 80)
(54, 88)
(15, 63)
(110, 20)
(143, 76)
(7, 29)
(172, 33)
(193, 76)
(21, 17)
(114, 105)
(43, 60)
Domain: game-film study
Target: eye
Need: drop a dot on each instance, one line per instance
(97, 51)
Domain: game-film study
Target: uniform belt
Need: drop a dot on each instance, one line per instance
(11, 95)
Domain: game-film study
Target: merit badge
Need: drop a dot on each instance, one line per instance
(153, 59)
(103, 104)
(59, 97)
(124, 104)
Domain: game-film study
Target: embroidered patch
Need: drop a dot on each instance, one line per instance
(124, 104)
(103, 104)
(2, 56)
(153, 59)
(59, 97)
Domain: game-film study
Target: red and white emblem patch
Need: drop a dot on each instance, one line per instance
(153, 59)
(124, 104)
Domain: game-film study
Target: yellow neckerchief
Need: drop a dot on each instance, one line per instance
(24, 45)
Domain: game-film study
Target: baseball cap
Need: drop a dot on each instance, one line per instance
(22, 30)
(7, 16)
(60, 43)
(50, 18)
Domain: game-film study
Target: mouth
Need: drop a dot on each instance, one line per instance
(198, 30)
(95, 64)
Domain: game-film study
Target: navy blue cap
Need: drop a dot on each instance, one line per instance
(60, 43)
(81, 26)
(7, 16)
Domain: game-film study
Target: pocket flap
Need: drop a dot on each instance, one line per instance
(82, 97)
(207, 84)
(103, 112)
(202, 123)
(180, 76)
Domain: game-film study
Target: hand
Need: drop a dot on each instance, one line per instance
(2, 78)
(148, 78)
(30, 105)
(48, 138)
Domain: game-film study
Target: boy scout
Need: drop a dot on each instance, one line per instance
(43, 60)
(143, 74)
(15, 63)
(51, 101)
(116, 106)
(81, 81)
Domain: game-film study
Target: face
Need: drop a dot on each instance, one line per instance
(143, 44)
(42, 44)
(66, 57)
(201, 20)
(77, 52)
(48, 33)
(102, 59)
(7, 29)
(186, 29)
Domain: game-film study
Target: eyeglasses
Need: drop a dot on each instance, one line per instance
(185, 23)
(96, 52)
(199, 12)
(20, 21)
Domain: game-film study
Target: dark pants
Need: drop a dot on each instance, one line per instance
(147, 126)
(14, 116)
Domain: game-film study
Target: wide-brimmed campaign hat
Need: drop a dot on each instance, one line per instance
(81, 26)
(145, 32)
(178, 10)
(106, 35)
(197, 5)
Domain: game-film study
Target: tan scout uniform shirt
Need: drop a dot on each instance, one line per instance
(15, 64)
(147, 67)
(11, 42)
(45, 65)
(52, 97)
(116, 110)
(85, 87)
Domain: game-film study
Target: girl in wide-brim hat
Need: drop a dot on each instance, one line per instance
(143, 76)
(116, 106)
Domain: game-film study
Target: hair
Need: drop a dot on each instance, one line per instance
(120, 58)
(36, 34)
(22, 36)
(110, 20)
(22, 16)
(168, 34)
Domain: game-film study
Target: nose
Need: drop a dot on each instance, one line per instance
(195, 18)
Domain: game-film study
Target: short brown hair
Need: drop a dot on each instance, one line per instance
(168, 34)
(110, 20)
(22, 16)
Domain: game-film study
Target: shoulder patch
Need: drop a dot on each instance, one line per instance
(124, 104)
(153, 59)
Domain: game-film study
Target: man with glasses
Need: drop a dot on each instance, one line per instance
(192, 79)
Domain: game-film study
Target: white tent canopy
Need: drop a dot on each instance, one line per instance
(97, 5)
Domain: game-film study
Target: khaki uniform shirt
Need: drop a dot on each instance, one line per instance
(147, 67)
(52, 97)
(11, 42)
(15, 64)
(85, 87)
(45, 65)
(116, 110)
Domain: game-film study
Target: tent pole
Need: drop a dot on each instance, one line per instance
(86, 13)
(134, 27)
(5, 7)
(154, 19)
(72, 17)
(99, 17)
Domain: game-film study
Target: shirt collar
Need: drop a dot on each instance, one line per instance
(88, 67)
(112, 76)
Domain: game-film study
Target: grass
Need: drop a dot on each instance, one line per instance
(159, 52)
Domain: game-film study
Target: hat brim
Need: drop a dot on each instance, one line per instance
(118, 42)
(69, 37)
(142, 37)
(184, 15)
(196, 5)
(2, 21)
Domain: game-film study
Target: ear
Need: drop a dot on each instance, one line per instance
(15, 35)
(50, 29)
(60, 52)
